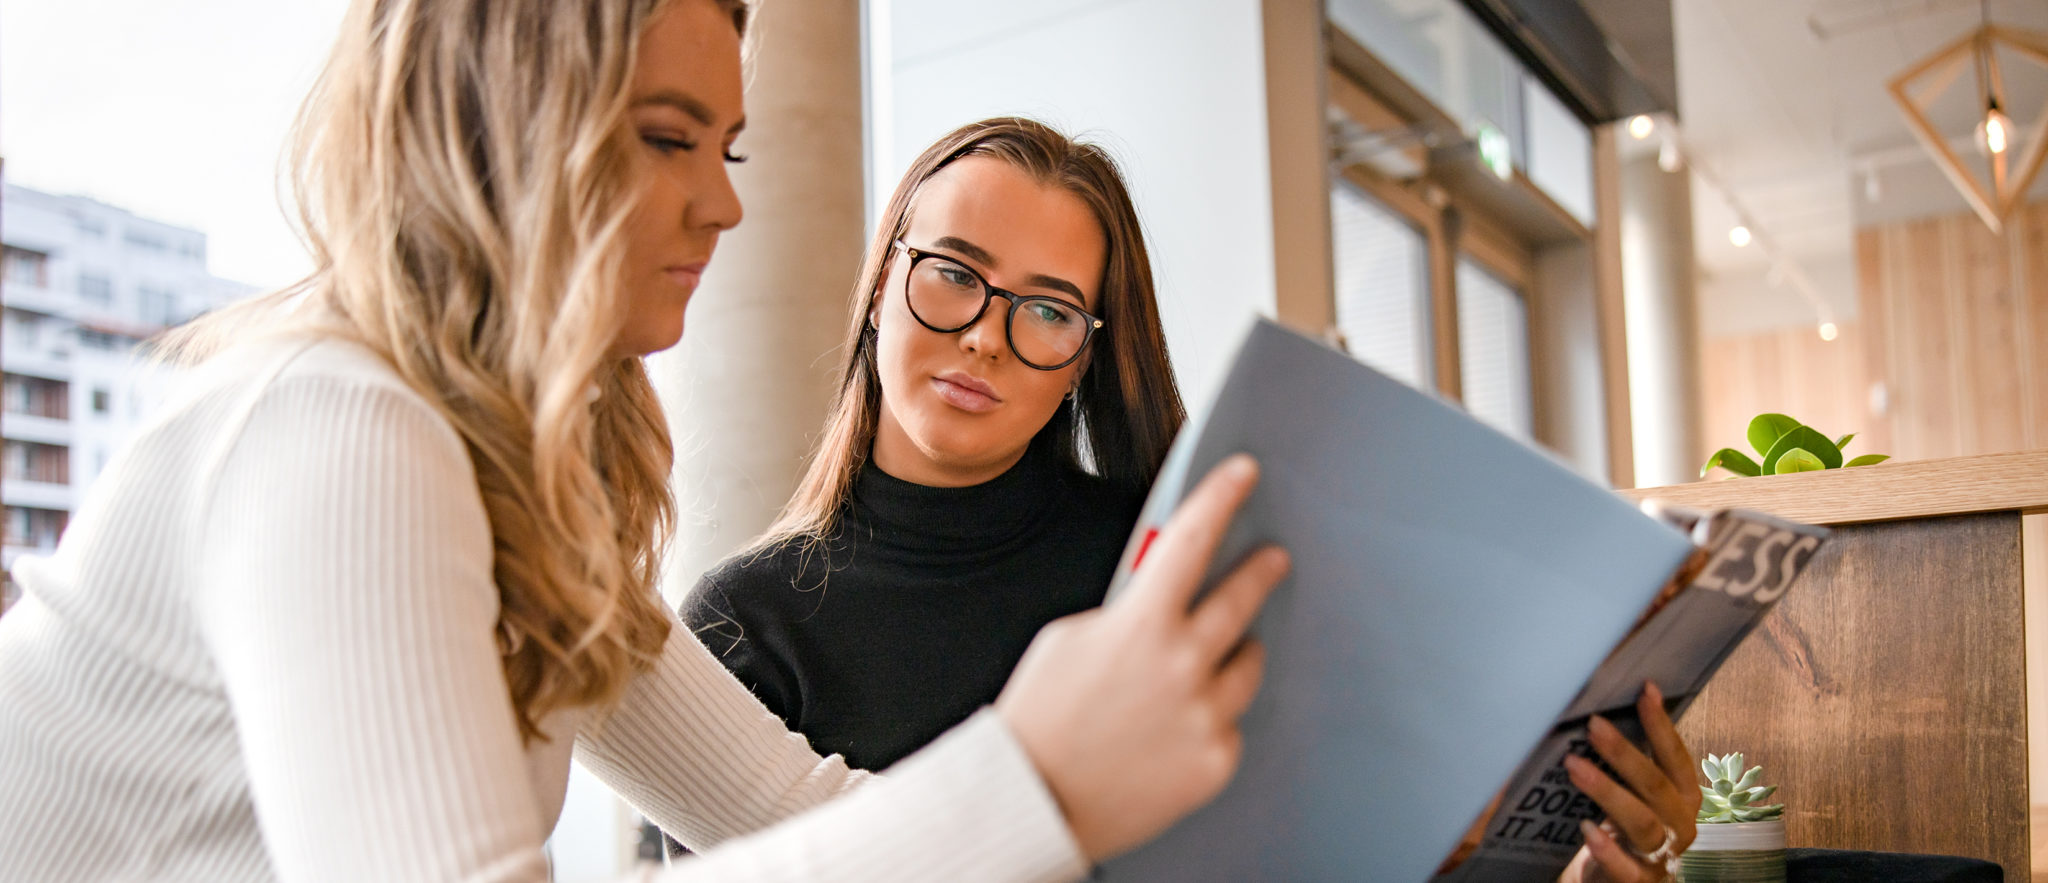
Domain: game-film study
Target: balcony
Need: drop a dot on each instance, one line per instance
(51, 361)
(36, 494)
(41, 299)
(30, 428)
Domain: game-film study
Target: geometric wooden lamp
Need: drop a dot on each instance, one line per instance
(2012, 165)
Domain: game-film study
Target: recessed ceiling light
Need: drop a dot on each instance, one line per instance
(1739, 235)
(1668, 158)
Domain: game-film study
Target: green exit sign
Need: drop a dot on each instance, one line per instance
(1493, 151)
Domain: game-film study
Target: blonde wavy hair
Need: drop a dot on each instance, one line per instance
(464, 178)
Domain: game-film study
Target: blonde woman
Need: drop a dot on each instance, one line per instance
(346, 609)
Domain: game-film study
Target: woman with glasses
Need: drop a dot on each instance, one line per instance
(1005, 402)
(345, 609)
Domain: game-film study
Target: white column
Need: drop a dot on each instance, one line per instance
(1663, 328)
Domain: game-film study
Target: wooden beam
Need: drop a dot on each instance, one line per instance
(1298, 147)
(2016, 481)
(2034, 605)
(1608, 302)
(1442, 230)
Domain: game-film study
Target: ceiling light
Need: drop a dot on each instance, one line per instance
(1996, 130)
(1668, 158)
(1993, 189)
(1738, 235)
(1640, 126)
(1828, 331)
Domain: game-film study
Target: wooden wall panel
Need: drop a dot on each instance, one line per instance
(1923, 396)
(1874, 321)
(1952, 322)
(2030, 275)
(1988, 369)
(1885, 695)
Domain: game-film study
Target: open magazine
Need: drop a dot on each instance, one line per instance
(1745, 562)
(1460, 605)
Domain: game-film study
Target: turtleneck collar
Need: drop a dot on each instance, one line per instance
(920, 518)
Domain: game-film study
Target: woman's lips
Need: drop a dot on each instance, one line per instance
(965, 393)
(687, 275)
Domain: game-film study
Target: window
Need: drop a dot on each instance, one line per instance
(18, 529)
(1493, 351)
(34, 527)
(96, 289)
(36, 397)
(1382, 286)
(101, 340)
(29, 461)
(24, 267)
(144, 240)
(157, 306)
(24, 329)
(102, 400)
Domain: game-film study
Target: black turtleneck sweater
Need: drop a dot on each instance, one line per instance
(914, 612)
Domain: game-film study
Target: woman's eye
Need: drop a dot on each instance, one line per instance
(956, 276)
(668, 145)
(1050, 314)
(733, 157)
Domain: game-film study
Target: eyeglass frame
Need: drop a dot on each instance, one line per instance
(988, 292)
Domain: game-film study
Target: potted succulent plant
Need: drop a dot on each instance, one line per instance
(1787, 445)
(1741, 838)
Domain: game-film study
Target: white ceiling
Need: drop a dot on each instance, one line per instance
(1785, 114)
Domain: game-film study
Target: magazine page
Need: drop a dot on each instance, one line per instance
(1452, 589)
(1746, 562)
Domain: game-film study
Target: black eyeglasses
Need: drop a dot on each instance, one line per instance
(946, 296)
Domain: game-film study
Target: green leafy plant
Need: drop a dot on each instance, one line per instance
(1787, 445)
(1732, 793)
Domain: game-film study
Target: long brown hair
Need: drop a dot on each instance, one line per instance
(464, 176)
(1126, 410)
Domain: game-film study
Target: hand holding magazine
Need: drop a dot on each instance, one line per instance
(1461, 605)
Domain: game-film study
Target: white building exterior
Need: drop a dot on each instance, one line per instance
(82, 283)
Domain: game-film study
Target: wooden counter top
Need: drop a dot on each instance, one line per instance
(1885, 492)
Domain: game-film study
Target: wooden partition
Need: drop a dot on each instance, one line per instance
(1888, 692)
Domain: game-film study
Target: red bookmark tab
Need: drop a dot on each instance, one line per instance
(1145, 545)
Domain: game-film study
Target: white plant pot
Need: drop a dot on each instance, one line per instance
(1736, 852)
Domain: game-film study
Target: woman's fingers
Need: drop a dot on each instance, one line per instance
(1635, 819)
(1219, 621)
(1173, 568)
(1672, 754)
(1616, 864)
(1237, 682)
(1642, 776)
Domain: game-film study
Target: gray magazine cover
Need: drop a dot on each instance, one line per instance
(1745, 561)
(1452, 591)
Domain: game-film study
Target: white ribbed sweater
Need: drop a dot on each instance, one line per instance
(265, 650)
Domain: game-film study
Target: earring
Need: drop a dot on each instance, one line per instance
(1070, 394)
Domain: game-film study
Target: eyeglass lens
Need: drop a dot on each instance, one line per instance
(1044, 331)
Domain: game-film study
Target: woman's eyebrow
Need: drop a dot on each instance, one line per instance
(982, 256)
(689, 105)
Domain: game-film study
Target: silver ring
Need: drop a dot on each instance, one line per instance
(1665, 856)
